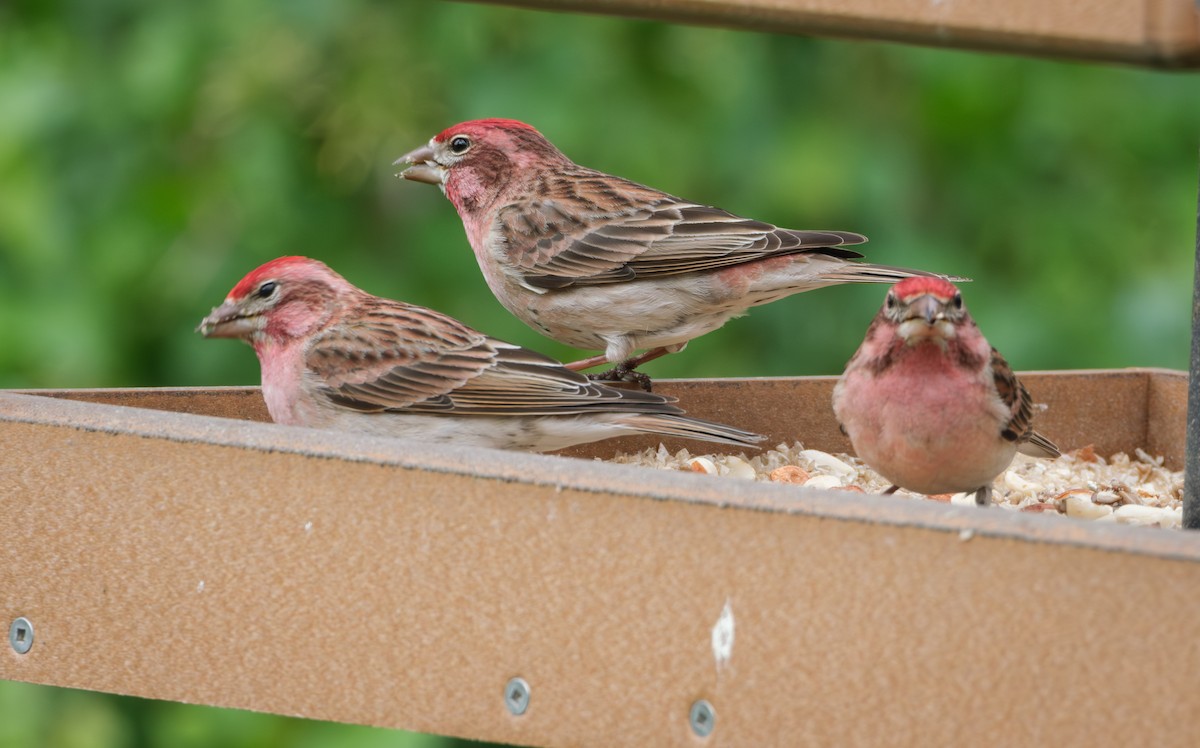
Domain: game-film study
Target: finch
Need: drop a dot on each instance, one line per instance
(334, 356)
(599, 262)
(927, 403)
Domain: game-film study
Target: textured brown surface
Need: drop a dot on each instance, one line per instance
(1148, 32)
(1166, 417)
(1113, 409)
(371, 580)
(244, 403)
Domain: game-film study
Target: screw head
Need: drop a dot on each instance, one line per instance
(20, 635)
(516, 696)
(702, 718)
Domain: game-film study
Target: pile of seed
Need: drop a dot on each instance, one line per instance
(1134, 490)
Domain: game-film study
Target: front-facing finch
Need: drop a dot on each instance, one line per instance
(334, 356)
(927, 403)
(599, 262)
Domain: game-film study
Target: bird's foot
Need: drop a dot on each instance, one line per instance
(623, 372)
(983, 496)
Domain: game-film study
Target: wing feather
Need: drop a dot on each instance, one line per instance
(593, 229)
(402, 358)
(1019, 427)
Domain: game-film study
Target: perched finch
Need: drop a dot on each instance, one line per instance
(334, 356)
(927, 403)
(599, 262)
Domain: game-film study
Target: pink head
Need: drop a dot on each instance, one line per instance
(286, 298)
(482, 128)
(925, 308)
(474, 162)
(917, 285)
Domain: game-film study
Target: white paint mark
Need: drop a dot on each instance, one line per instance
(200, 587)
(308, 526)
(722, 636)
(941, 8)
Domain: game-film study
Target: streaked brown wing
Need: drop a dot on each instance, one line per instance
(1020, 406)
(523, 382)
(1015, 396)
(593, 228)
(399, 357)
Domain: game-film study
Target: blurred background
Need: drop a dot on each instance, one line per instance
(151, 153)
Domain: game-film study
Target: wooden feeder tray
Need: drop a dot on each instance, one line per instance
(166, 550)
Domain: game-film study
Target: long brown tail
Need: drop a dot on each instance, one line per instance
(692, 428)
(1037, 445)
(865, 272)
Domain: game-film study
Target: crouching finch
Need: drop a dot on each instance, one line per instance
(927, 403)
(334, 356)
(599, 262)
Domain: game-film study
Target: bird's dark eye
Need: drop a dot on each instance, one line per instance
(957, 301)
(890, 302)
(460, 143)
(266, 289)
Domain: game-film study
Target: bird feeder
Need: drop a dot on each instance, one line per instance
(170, 544)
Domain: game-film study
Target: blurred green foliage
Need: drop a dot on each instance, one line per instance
(151, 153)
(43, 717)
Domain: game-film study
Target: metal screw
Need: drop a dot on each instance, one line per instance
(516, 696)
(20, 635)
(703, 718)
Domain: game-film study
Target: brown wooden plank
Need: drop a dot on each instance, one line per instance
(1115, 410)
(1163, 33)
(368, 580)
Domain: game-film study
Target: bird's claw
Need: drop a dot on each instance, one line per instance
(983, 496)
(622, 372)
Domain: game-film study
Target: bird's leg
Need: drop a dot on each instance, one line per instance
(630, 363)
(587, 363)
(891, 490)
(983, 496)
(649, 355)
(624, 371)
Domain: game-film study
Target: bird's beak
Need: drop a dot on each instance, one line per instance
(227, 321)
(925, 319)
(423, 169)
(926, 307)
